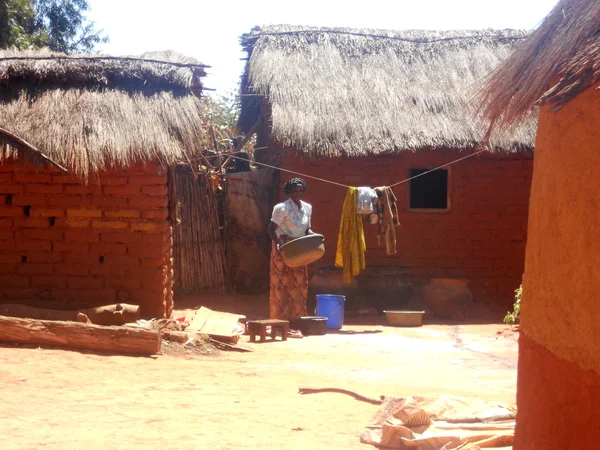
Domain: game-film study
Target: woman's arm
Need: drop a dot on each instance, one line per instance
(309, 208)
(273, 235)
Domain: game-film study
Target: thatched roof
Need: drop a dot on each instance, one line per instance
(88, 110)
(560, 59)
(355, 91)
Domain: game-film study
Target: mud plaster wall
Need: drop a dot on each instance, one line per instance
(558, 402)
(561, 309)
(482, 237)
(558, 392)
(65, 244)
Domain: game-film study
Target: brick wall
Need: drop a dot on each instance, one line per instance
(65, 244)
(482, 237)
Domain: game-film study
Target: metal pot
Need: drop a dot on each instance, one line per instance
(310, 325)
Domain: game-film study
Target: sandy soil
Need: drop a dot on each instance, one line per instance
(61, 399)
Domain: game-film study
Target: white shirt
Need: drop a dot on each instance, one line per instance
(292, 221)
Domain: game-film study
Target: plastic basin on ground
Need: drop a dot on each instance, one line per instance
(404, 318)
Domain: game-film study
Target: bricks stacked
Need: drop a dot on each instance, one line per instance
(82, 245)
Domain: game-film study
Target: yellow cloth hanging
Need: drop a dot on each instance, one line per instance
(351, 245)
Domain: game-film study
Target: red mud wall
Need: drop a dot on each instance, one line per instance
(66, 244)
(558, 392)
(482, 237)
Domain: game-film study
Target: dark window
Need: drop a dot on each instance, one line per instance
(429, 191)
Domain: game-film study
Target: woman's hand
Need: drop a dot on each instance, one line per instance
(283, 239)
(309, 232)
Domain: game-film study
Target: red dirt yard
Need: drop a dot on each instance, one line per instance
(61, 399)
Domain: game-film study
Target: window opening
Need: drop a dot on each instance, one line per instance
(429, 191)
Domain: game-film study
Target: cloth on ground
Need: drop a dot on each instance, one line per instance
(350, 254)
(440, 422)
(366, 196)
(388, 218)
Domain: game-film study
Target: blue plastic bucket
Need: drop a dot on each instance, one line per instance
(332, 307)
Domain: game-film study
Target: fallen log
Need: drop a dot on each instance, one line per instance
(118, 314)
(78, 335)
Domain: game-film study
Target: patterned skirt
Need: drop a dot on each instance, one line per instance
(289, 288)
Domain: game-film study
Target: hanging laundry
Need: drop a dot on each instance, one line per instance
(351, 245)
(388, 218)
(366, 196)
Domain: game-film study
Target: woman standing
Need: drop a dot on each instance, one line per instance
(289, 286)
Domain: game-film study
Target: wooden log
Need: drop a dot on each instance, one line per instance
(247, 137)
(80, 336)
(176, 336)
(118, 314)
(83, 318)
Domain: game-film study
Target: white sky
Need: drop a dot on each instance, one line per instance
(209, 30)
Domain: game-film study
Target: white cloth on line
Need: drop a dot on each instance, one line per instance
(365, 200)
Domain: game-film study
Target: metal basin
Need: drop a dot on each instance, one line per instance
(303, 251)
(310, 325)
(404, 318)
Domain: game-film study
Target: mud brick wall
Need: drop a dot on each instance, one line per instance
(559, 357)
(68, 244)
(481, 237)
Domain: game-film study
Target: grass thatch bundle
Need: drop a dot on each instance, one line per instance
(88, 113)
(342, 91)
(560, 59)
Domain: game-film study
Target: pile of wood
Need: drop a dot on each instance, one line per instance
(101, 329)
(93, 329)
(118, 314)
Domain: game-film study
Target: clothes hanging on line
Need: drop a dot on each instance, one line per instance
(351, 246)
(366, 198)
(387, 211)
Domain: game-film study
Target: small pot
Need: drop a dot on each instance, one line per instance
(310, 325)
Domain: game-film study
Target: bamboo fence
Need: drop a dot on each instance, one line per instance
(199, 256)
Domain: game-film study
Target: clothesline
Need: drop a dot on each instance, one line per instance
(288, 171)
(346, 186)
(439, 167)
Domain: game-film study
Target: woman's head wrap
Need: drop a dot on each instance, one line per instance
(288, 186)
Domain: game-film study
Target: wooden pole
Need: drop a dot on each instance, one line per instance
(104, 58)
(244, 141)
(15, 140)
(215, 144)
(77, 335)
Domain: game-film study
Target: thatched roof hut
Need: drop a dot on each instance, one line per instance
(560, 59)
(338, 91)
(88, 111)
(558, 68)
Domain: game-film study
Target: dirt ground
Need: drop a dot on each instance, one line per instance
(61, 399)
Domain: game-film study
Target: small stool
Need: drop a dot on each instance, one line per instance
(260, 327)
